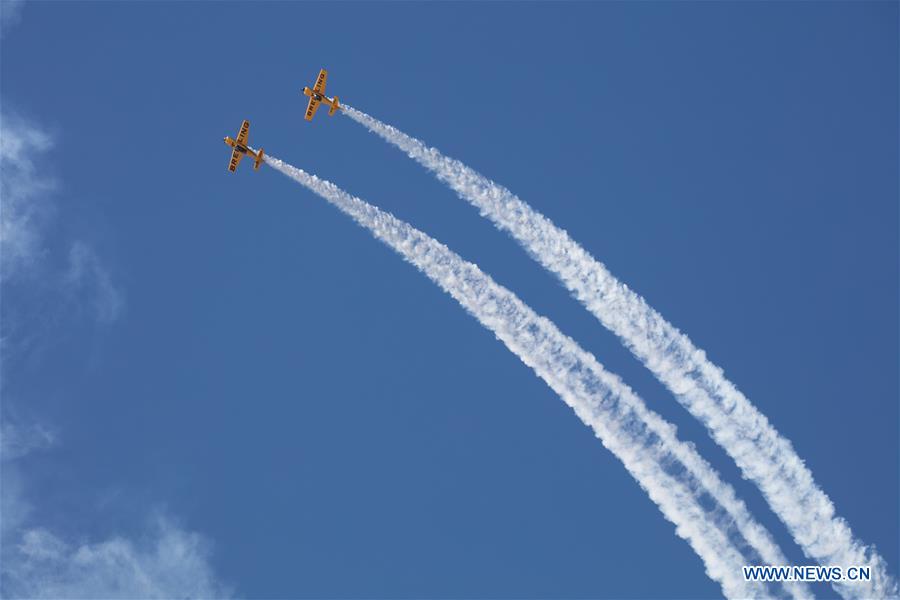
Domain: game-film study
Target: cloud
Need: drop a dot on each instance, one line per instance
(165, 562)
(86, 272)
(10, 14)
(39, 291)
(162, 561)
(42, 287)
(26, 208)
(16, 440)
(14, 510)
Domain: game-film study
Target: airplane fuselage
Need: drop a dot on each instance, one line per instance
(241, 150)
(318, 97)
(239, 147)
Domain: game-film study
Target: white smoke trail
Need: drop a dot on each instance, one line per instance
(641, 439)
(762, 454)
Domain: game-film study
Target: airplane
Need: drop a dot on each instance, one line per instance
(317, 96)
(241, 148)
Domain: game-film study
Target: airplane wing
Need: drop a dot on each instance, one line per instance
(311, 108)
(235, 157)
(320, 82)
(242, 134)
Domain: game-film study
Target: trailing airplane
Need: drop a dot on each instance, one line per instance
(317, 96)
(241, 148)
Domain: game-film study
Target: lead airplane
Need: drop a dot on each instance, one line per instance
(241, 148)
(317, 96)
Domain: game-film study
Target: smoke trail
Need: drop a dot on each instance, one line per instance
(643, 441)
(762, 454)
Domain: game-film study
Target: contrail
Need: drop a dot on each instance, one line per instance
(676, 478)
(762, 454)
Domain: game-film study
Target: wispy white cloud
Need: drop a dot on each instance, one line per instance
(763, 455)
(10, 14)
(17, 440)
(161, 561)
(87, 272)
(25, 206)
(56, 283)
(166, 561)
(15, 508)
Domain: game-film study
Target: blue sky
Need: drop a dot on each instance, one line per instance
(225, 363)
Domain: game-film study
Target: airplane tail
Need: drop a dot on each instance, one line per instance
(334, 106)
(260, 155)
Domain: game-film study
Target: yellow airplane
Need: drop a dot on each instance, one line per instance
(317, 96)
(241, 148)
